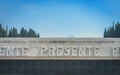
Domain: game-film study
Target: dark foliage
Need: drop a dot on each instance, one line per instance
(13, 32)
(113, 31)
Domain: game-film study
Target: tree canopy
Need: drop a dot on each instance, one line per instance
(112, 31)
(13, 32)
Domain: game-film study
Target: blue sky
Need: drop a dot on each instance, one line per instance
(60, 18)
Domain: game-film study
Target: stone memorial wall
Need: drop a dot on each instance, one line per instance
(59, 56)
(59, 48)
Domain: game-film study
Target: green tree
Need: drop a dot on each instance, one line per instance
(113, 31)
(6, 31)
(105, 32)
(31, 33)
(13, 32)
(10, 33)
(1, 30)
(23, 32)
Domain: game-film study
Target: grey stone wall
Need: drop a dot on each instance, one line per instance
(60, 48)
(59, 67)
(22, 56)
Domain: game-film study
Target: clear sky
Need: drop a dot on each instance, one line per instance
(60, 18)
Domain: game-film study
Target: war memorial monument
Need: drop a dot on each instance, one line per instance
(59, 56)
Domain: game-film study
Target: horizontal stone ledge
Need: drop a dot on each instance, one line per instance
(59, 58)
